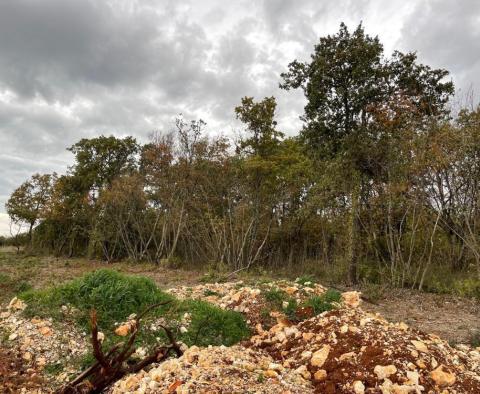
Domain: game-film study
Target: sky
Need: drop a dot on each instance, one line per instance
(72, 69)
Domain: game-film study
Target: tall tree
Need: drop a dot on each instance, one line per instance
(30, 200)
(347, 78)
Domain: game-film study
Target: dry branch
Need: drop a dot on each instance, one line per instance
(112, 366)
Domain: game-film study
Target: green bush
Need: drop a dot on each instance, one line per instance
(211, 325)
(115, 296)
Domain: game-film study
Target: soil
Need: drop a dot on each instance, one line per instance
(455, 319)
(14, 373)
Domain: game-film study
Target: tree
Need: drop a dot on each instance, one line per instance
(29, 202)
(98, 161)
(347, 78)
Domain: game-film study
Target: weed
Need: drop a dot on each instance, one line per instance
(53, 368)
(275, 296)
(306, 280)
(208, 293)
(475, 339)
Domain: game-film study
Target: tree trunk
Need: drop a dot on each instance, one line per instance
(352, 256)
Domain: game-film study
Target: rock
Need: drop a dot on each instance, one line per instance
(100, 336)
(27, 356)
(442, 377)
(270, 373)
(351, 298)
(413, 377)
(12, 336)
(320, 356)
(5, 315)
(320, 375)
(346, 356)
(131, 382)
(384, 372)
(45, 331)
(123, 330)
(17, 304)
(358, 387)
(420, 346)
(307, 336)
(302, 370)
(291, 290)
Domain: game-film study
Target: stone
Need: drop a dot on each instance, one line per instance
(17, 304)
(320, 375)
(413, 377)
(351, 298)
(420, 346)
(100, 336)
(384, 372)
(358, 387)
(45, 331)
(442, 377)
(307, 336)
(123, 330)
(346, 356)
(27, 356)
(270, 373)
(302, 370)
(320, 356)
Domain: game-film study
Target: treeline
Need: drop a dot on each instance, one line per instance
(380, 184)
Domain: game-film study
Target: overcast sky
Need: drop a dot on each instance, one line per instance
(80, 68)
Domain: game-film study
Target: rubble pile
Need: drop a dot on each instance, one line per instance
(39, 343)
(351, 351)
(216, 370)
(249, 300)
(345, 350)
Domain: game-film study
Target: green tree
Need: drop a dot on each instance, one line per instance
(347, 79)
(29, 202)
(98, 161)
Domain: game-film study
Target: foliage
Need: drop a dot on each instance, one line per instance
(381, 184)
(116, 296)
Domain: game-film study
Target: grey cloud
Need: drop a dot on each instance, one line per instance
(446, 34)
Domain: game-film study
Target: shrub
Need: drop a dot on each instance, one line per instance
(115, 296)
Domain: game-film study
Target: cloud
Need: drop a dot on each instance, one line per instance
(78, 68)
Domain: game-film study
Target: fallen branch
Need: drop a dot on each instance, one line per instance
(112, 366)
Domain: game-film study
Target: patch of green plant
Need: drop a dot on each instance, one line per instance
(208, 293)
(475, 339)
(314, 304)
(324, 302)
(53, 368)
(306, 280)
(211, 325)
(275, 296)
(10, 286)
(116, 296)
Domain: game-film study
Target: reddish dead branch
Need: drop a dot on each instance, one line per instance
(112, 366)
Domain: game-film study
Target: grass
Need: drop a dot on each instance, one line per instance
(278, 299)
(475, 339)
(115, 296)
(10, 286)
(312, 306)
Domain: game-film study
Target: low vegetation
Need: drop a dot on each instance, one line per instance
(116, 296)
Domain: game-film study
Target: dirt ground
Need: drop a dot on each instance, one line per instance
(453, 318)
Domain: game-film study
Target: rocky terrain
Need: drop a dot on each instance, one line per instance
(345, 350)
